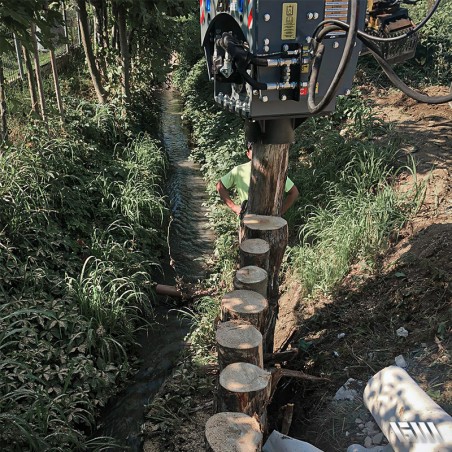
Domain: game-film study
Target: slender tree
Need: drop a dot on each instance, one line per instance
(90, 58)
(38, 74)
(124, 48)
(4, 122)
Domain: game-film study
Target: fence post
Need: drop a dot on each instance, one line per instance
(19, 57)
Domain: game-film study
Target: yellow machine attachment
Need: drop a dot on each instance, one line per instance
(387, 19)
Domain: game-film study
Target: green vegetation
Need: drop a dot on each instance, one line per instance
(81, 234)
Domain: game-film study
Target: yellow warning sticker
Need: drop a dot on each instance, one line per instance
(289, 21)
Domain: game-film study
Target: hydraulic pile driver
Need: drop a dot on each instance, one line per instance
(278, 62)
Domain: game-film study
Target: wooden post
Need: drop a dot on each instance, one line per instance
(56, 85)
(254, 252)
(244, 388)
(3, 120)
(268, 178)
(238, 341)
(233, 432)
(245, 305)
(251, 278)
(38, 73)
(19, 57)
(275, 232)
(31, 81)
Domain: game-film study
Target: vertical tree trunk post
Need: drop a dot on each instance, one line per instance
(31, 82)
(238, 341)
(251, 278)
(66, 32)
(86, 41)
(275, 232)
(38, 74)
(254, 252)
(56, 84)
(233, 431)
(245, 305)
(124, 48)
(268, 178)
(4, 122)
(245, 388)
(19, 57)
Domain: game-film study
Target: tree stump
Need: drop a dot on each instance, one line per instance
(254, 252)
(245, 305)
(252, 278)
(275, 232)
(233, 432)
(238, 341)
(244, 388)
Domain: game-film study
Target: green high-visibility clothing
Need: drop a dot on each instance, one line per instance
(239, 178)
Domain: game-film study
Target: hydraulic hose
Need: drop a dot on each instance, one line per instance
(362, 34)
(393, 77)
(319, 49)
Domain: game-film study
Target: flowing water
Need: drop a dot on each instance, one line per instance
(190, 242)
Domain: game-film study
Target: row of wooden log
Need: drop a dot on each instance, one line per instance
(244, 387)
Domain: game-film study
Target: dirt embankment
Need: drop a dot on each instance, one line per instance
(411, 289)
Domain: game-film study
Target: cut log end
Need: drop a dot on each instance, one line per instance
(263, 222)
(238, 335)
(255, 246)
(244, 302)
(233, 432)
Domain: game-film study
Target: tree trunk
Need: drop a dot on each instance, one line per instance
(31, 81)
(244, 388)
(86, 41)
(56, 84)
(245, 305)
(38, 75)
(124, 48)
(254, 252)
(268, 178)
(238, 341)
(233, 431)
(251, 278)
(4, 123)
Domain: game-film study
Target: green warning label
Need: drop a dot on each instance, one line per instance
(289, 21)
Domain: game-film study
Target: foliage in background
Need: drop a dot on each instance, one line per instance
(81, 235)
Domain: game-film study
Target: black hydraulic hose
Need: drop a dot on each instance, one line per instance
(393, 77)
(253, 83)
(398, 83)
(241, 57)
(348, 50)
(362, 34)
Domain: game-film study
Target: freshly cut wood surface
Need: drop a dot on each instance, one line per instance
(255, 246)
(238, 341)
(251, 278)
(263, 222)
(254, 252)
(233, 432)
(244, 388)
(245, 305)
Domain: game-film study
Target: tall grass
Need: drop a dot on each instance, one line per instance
(80, 221)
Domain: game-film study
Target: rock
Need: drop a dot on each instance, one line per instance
(378, 438)
(368, 441)
(361, 426)
(400, 361)
(341, 335)
(402, 332)
(349, 390)
(358, 421)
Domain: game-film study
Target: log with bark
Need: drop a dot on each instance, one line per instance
(244, 388)
(233, 432)
(251, 278)
(254, 252)
(238, 341)
(245, 305)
